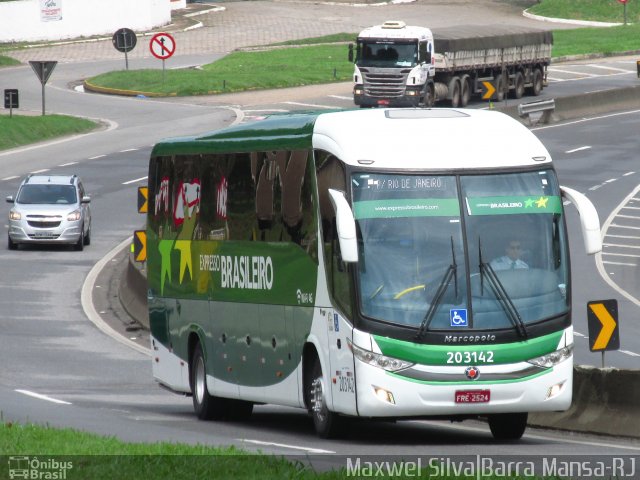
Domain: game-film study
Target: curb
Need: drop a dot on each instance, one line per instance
(582, 23)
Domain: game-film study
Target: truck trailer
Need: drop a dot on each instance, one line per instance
(408, 66)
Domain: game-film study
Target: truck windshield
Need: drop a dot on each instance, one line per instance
(427, 242)
(372, 53)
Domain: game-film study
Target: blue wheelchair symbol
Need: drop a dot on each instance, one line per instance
(458, 317)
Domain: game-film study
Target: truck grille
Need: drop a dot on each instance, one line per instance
(384, 82)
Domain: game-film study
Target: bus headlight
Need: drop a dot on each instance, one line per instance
(554, 358)
(389, 364)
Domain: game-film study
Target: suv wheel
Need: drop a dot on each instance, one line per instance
(87, 237)
(80, 243)
(11, 244)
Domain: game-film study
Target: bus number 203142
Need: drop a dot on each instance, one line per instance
(469, 357)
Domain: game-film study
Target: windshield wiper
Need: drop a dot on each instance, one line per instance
(452, 271)
(501, 294)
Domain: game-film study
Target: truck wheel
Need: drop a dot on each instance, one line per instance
(207, 407)
(454, 87)
(536, 87)
(499, 88)
(327, 424)
(518, 91)
(465, 91)
(429, 96)
(508, 426)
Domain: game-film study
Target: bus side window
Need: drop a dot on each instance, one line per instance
(331, 174)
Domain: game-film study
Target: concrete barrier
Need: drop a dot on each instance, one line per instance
(605, 401)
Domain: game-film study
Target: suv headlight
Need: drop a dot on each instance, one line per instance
(554, 358)
(13, 215)
(74, 216)
(389, 364)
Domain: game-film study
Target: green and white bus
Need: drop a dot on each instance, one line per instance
(342, 263)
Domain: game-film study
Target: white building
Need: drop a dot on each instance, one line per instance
(45, 20)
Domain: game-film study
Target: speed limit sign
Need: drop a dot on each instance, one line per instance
(162, 45)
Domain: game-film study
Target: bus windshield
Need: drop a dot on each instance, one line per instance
(372, 53)
(477, 252)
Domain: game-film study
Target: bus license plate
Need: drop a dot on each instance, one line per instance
(473, 396)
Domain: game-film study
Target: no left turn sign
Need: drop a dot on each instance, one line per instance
(162, 45)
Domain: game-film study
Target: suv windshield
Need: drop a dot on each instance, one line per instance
(47, 194)
(417, 269)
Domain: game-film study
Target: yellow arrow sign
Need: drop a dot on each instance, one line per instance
(140, 245)
(490, 90)
(608, 326)
(143, 199)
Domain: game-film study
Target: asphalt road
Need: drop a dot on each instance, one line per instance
(48, 348)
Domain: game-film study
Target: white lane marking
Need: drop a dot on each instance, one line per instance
(618, 245)
(313, 105)
(67, 164)
(579, 149)
(129, 150)
(283, 445)
(134, 181)
(628, 173)
(10, 178)
(578, 334)
(599, 262)
(553, 79)
(583, 120)
(41, 171)
(43, 397)
(279, 110)
(611, 68)
(620, 263)
(341, 97)
(628, 216)
(595, 187)
(585, 74)
(610, 180)
(625, 226)
(632, 237)
(631, 208)
(627, 352)
(621, 254)
(96, 157)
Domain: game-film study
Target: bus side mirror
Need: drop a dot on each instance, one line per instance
(351, 52)
(346, 227)
(589, 219)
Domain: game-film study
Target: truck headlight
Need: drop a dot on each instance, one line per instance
(554, 358)
(389, 364)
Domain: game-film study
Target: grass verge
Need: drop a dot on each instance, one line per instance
(21, 130)
(591, 10)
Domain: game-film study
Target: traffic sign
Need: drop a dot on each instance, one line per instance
(11, 98)
(603, 325)
(124, 40)
(140, 245)
(143, 199)
(488, 89)
(43, 69)
(162, 45)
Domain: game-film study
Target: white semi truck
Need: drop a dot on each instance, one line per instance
(400, 65)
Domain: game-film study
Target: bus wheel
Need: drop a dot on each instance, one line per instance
(327, 424)
(206, 406)
(508, 426)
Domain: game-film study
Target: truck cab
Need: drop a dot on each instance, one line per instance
(393, 65)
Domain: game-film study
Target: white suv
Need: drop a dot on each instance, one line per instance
(50, 209)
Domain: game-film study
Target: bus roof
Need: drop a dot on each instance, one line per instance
(416, 139)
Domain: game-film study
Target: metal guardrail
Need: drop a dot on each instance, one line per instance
(543, 107)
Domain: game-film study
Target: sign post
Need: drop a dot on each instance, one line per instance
(602, 316)
(624, 2)
(124, 40)
(11, 100)
(43, 70)
(162, 46)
